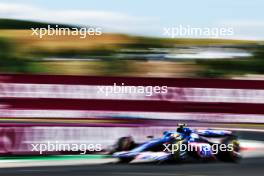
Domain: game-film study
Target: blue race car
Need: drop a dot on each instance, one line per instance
(179, 145)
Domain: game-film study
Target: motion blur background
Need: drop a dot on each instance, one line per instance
(132, 44)
(133, 41)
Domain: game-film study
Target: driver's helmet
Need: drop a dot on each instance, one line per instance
(180, 128)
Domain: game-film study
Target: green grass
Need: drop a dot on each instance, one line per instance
(53, 157)
(24, 24)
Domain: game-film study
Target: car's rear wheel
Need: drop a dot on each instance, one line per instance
(124, 144)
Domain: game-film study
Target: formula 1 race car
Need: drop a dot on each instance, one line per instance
(179, 145)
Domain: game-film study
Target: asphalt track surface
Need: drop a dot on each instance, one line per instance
(247, 167)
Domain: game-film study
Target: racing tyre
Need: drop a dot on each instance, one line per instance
(233, 152)
(124, 144)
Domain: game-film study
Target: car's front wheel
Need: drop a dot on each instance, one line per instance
(232, 154)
